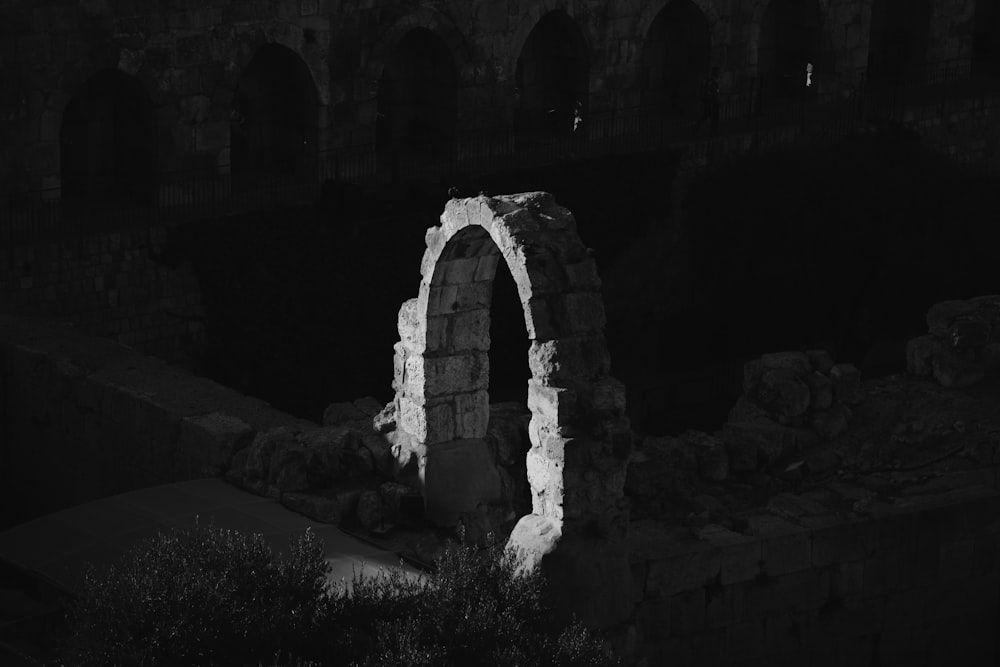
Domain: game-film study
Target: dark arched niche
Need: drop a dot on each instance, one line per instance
(897, 48)
(791, 35)
(108, 141)
(418, 97)
(273, 125)
(675, 59)
(986, 38)
(552, 76)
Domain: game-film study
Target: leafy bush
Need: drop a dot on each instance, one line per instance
(217, 597)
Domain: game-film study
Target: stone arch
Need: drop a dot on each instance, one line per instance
(108, 140)
(417, 97)
(898, 41)
(790, 33)
(579, 434)
(552, 75)
(676, 58)
(273, 124)
(377, 55)
(651, 10)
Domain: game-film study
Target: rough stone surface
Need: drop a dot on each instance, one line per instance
(960, 348)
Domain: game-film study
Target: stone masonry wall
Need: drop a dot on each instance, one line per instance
(109, 284)
(806, 583)
(189, 57)
(82, 418)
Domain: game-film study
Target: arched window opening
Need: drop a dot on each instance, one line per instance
(675, 58)
(986, 38)
(897, 49)
(108, 141)
(790, 42)
(273, 124)
(552, 77)
(418, 98)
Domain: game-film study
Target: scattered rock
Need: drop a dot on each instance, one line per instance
(781, 392)
(846, 380)
(289, 469)
(828, 424)
(710, 453)
(258, 463)
(370, 510)
(821, 361)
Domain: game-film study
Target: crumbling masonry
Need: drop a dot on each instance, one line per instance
(580, 437)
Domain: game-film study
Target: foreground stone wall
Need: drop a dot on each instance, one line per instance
(109, 284)
(915, 582)
(83, 417)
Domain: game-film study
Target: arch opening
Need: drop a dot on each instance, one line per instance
(273, 125)
(108, 141)
(986, 39)
(676, 59)
(791, 35)
(897, 48)
(552, 77)
(417, 100)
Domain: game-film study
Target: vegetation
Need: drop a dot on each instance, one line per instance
(208, 596)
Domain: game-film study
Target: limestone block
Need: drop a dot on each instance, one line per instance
(472, 414)
(385, 420)
(783, 393)
(956, 367)
(469, 330)
(289, 470)
(581, 312)
(534, 536)
(410, 325)
(545, 476)
(793, 360)
(941, 315)
(264, 445)
(556, 405)
(969, 332)
(569, 358)
(441, 376)
(710, 454)
(820, 391)
(457, 271)
(538, 319)
(828, 424)
(846, 383)
(486, 267)
(608, 396)
(582, 275)
(458, 477)
(821, 361)
(920, 356)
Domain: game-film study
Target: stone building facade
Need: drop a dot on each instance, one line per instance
(117, 97)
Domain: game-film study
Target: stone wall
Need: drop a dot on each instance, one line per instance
(189, 57)
(82, 418)
(915, 583)
(109, 284)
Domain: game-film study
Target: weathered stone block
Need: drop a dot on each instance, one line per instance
(688, 569)
(920, 356)
(956, 368)
(783, 393)
(556, 405)
(795, 361)
(472, 414)
(569, 358)
(846, 380)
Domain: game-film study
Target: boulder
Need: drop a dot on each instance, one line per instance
(828, 424)
(820, 391)
(381, 453)
(783, 393)
(262, 448)
(846, 380)
(957, 367)
(941, 315)
(970, 332)
(821, 361)
(920, 356)
(370, 510)
(710, 453)
(795, 361)
(289, 468)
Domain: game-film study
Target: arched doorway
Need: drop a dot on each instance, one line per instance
(108, 141)
(552, 77)
(417, 102)
(675, 59)
(273, 124)
(986, 38)
(791, 36)
(580, 437)
(897, 47)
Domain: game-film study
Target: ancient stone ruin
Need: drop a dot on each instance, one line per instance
(580, 437)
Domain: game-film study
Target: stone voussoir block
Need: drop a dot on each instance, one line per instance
(571, 358)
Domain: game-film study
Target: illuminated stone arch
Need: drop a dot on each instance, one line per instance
(580, 437)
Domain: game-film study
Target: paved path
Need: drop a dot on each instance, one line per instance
(57, 546)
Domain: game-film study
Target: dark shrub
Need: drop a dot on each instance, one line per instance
(217, 597)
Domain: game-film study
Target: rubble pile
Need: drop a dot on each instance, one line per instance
(962, 345)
